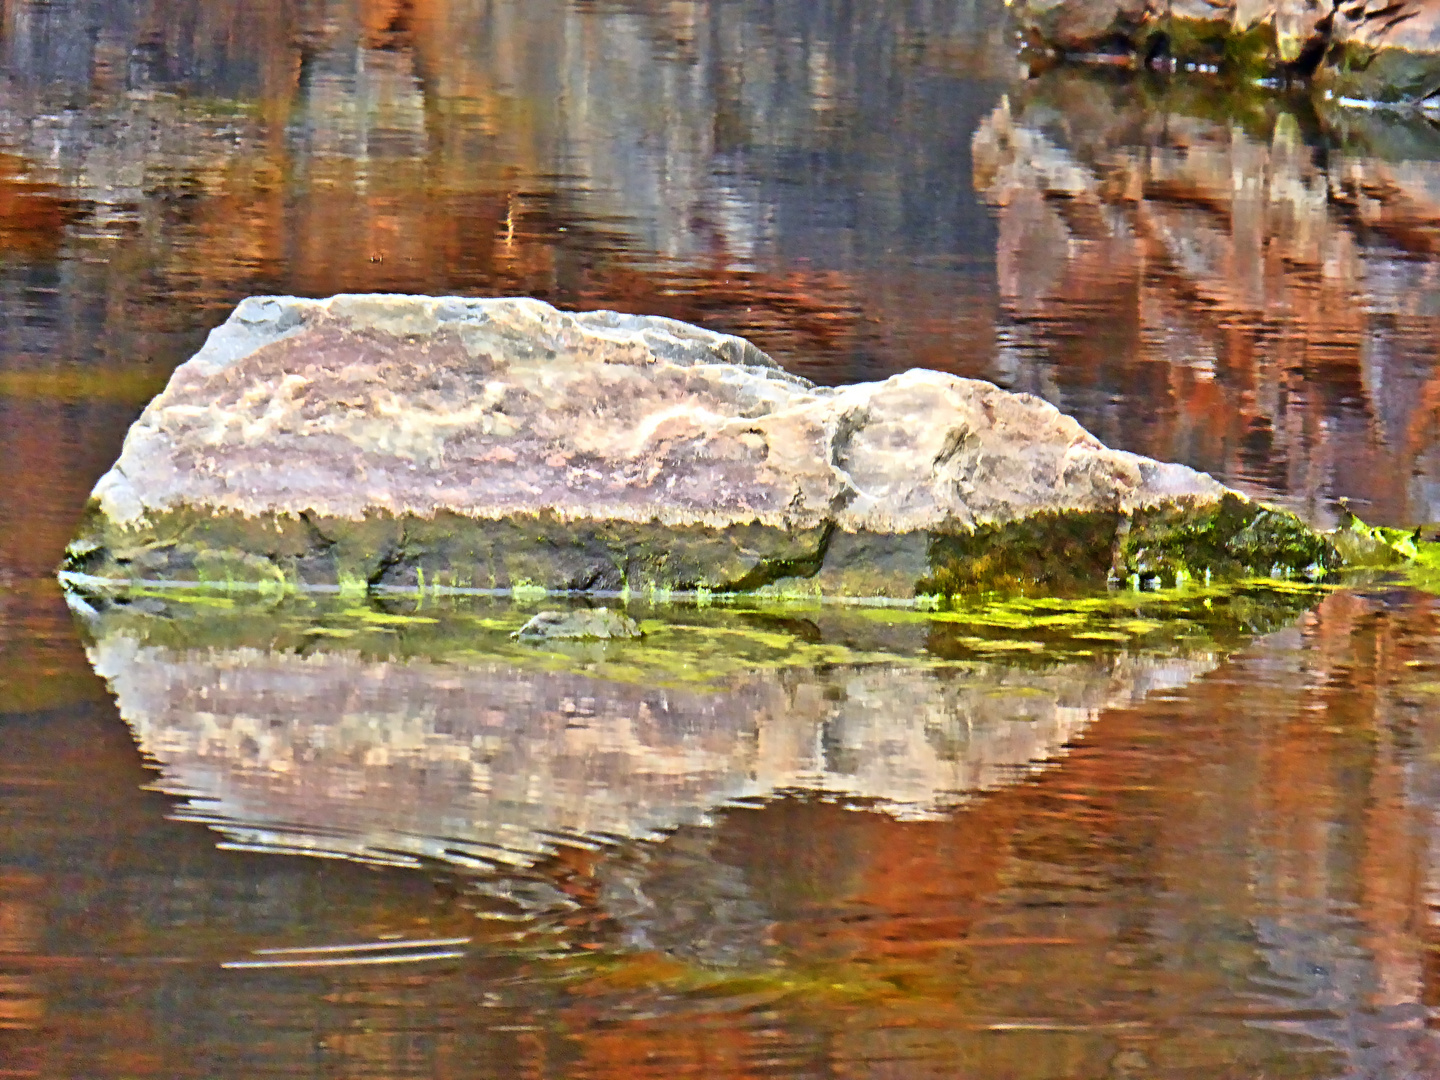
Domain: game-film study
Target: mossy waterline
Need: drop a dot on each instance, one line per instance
(526, 557)
(703, 640)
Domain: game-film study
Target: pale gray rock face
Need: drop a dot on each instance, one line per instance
(413, 442)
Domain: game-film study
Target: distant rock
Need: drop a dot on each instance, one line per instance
(401, 442)
(584, 624)
(1385, 51)
(1371, 49)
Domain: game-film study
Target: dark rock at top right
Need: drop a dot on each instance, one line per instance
(1370, 50)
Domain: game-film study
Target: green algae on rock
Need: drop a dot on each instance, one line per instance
(1414, 553)
(416, 444)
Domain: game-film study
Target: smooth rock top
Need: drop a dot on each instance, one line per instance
(488, 408)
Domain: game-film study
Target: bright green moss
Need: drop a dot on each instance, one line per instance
(1394, 551)
(693, 644)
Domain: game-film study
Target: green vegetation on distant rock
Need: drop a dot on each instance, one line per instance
(1371, 50)
(1412, 553)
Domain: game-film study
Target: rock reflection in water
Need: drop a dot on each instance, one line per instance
(1223, 881)
(483, 759)
(1260, 276)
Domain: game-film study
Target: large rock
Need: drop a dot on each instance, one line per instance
(417, 442)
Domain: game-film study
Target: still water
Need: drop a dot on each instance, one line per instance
(1185, 836)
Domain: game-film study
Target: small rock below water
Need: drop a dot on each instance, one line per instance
(585, 624)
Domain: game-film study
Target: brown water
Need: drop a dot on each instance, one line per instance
(1201, 841)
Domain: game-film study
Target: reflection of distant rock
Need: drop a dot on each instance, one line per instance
(362, 104)
(1259, 279)
(741, 162)
(332, 752)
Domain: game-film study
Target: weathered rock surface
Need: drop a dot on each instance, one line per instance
(417, 442)
(1370, 49)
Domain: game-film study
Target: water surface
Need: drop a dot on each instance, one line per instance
(1184, 836)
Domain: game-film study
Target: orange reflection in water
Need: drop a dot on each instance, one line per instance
(1228, 880)
(1233, 879)
(1238, 284)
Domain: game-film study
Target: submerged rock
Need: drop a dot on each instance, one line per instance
(398, 442)
(600, 624)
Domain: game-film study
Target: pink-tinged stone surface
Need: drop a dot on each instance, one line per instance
(493, 408)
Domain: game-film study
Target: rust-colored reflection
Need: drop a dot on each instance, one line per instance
(1227, 879)
(21, 1005)
(1231, 882)
(33, 215)
(306, 727)
(1235, 283)
(1224, 879)
(1230, 878)
(646, 158)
